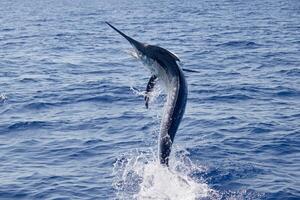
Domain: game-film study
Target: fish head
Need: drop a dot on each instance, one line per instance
(156, 59)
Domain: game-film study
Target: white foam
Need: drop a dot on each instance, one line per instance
(161, 183)
(139, 176)
(3, 97)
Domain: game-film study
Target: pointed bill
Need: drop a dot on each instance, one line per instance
(137, 45)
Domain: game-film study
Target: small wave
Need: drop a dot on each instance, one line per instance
(290, 72)
(38, 105)
(8, 74)
(103, 98)
(93, 141)
(61, 34)
(25, 125)
(288, 93)
(234, 97)
(60, 48)
(28, 80)
(260, 130)
(240, 44)
(7, 29)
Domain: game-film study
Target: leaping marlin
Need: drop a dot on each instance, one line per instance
(163, 66)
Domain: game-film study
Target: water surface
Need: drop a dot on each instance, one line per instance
(71, 127)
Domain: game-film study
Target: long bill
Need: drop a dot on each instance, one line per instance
(136, 44)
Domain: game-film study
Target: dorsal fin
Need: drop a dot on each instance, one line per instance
(174, 56)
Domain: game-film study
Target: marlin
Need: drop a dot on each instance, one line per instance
(163, 67)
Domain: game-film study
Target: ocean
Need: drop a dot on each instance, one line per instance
(73, 124)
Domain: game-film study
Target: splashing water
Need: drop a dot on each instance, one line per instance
(162, 183)
(152, 95)
(138, 175)
(3, 97)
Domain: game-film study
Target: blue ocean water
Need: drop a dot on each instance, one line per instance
(73, 123)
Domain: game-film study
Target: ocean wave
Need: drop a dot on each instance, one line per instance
(38, 106)
(229, 98)
(28, 125)
(291, 72)
(240, 44)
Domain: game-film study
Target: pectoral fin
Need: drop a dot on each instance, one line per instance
(149, 89)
